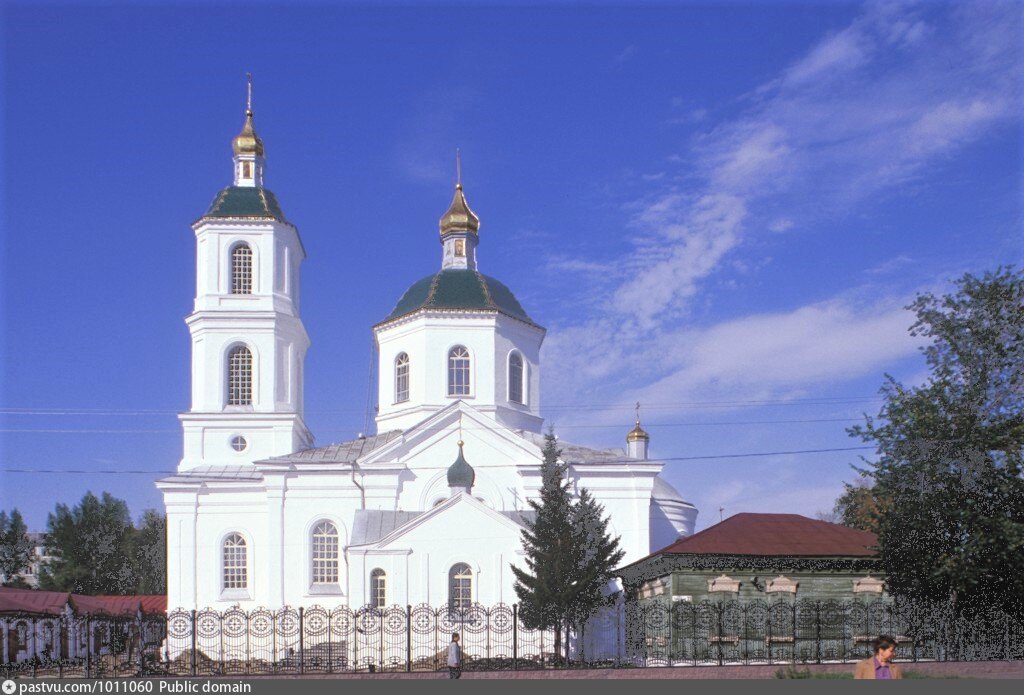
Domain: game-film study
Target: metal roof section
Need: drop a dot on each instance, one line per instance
(240, 473)
(343, 452)
(246, 202)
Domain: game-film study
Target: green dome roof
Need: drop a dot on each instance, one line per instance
(246, 201)
(460, 473)
(459, 289)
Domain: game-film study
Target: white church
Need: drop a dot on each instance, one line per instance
(428, 510)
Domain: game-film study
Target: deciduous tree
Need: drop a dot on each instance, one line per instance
(949, 452)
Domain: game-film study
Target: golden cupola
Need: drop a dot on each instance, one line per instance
(248, 142)
(459, 218)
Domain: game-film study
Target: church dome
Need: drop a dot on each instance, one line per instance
(460, 473)
(459, 289)
(248, 142)
(459, 218)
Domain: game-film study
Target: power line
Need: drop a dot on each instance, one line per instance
(648, 405)
(709, 457)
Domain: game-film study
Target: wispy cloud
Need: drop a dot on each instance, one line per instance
(625, 54)
(865, 110)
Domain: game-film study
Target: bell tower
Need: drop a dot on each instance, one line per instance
(248, 341)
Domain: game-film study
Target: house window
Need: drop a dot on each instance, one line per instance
(239, 376)
(235, 567)
(515, 378)
(458, 371)
(460, 587)
(325, 553)
(378, 588)
(241, 269)
(401, 378)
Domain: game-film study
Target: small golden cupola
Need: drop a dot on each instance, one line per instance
(460, 228)
(459, 218)
(248, 149)
(637, 440)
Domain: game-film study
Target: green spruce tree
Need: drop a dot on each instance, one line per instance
(148, 551)
(545, 591)
(596, 555)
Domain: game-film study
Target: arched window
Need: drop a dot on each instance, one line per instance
(241, 269)
(515, 378)
(401, 378)
(378, 588)
(239, 376)
(458, 371)
(236, 574)
(325, 553)
(460, 586)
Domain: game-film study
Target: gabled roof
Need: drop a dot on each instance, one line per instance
(575, 453)
(777, 535)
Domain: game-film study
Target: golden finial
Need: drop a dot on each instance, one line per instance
(637, 432)
(459, 218)
(248, 142)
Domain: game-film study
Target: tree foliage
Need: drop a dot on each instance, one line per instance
(95, 549)
(15, 549)
(570, 555)
(949, 452)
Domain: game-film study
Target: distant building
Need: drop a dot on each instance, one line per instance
(39, 558)
(761, 556)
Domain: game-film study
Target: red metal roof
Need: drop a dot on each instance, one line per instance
(789, 535)
(30, 601)
(53, 603)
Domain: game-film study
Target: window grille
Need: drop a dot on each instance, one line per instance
(402, 378)
(325, 553)
(460, 587)
(235, 566)
(241, 270)
(239, 443)
(378, 588)
(515, 378)
(458, 371)
(240, 376)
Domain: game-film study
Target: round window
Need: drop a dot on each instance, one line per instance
(239, 443)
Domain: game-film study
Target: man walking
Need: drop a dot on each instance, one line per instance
(454, 657)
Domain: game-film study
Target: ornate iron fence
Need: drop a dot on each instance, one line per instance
(646, 633)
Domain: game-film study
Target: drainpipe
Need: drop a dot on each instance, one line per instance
(362, 492)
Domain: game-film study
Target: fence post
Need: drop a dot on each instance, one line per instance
(817, 632)
(1006, 636)
(302, 651)
(718, 619)
(408, 638)
(142, 643)
(35, 649)
(515, 636)
(194, 642)
(88, 647)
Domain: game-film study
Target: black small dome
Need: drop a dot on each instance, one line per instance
(460, 473)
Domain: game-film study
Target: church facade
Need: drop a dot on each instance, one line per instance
(429, 510)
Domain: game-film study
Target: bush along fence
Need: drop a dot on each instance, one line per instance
(646, 633)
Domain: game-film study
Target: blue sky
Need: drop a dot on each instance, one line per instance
(718, 210)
